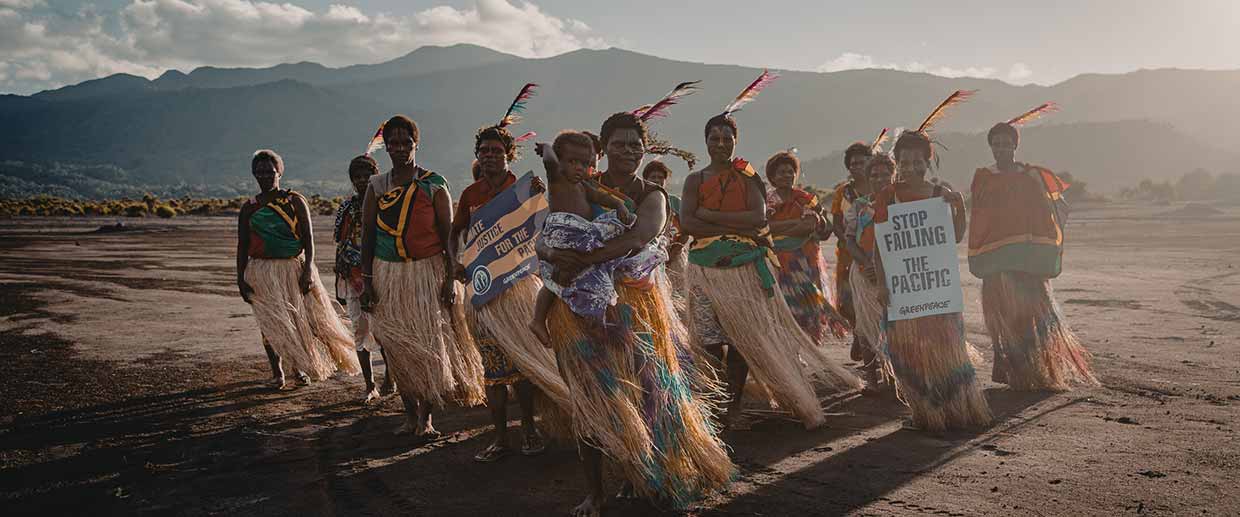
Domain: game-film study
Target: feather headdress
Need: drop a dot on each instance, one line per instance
(513, 115)
(657, 146)
(524, 137)
(376, 142)
(1033, 114)
(877, 146)
(750, 92)
(660, 108)
(939, 112)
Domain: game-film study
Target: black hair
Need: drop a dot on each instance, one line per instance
(857, 149)
(1002, 128)
(598, 142)
(269, 156)
(618, 121)
(400, 122)
(498, 134)
(365, 163)
(781, 157)
(570, 137)
(721, 120)
(914, 140)
(656, 165)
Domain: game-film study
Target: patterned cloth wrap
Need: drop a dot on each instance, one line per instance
(593, 290)
(348, 236)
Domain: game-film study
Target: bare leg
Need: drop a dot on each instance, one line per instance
(425, 427)
(542, 307)
(411, 416)
(738, 373)
(368, 375)
(497, 402)
(532, 440)
(592, 460)
(389, 381)
(277, 371)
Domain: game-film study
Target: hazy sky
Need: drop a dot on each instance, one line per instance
(50, 43)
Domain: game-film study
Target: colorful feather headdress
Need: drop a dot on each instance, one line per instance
(376, 142)
(1033, 114)
(876, 148)
(660, 108)
(750, 92)
(957, 97)
(513, 115)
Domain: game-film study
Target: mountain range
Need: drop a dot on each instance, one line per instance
(198, 129)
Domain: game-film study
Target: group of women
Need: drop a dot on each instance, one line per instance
(745, 291)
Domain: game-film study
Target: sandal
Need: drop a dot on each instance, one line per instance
(493, 453)
(533, 444)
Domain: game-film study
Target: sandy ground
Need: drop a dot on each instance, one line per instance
(133, 382)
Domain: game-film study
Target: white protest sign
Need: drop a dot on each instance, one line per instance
(918, 247)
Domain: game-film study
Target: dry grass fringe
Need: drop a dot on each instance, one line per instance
(780, 355)
(1029, 334)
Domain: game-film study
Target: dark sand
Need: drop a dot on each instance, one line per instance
(134, 383)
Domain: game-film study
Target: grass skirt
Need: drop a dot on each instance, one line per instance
(934, 372)
(780, 355)
(432, 354)
(304, 329)
(631, 400)
(1034, 347)
(507, 317)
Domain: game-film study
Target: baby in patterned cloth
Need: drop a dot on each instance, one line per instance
(574, 198)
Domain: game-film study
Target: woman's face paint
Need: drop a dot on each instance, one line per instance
(625, 150)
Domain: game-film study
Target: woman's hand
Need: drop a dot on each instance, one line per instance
(447, 292)
(307, 279)
(369, 298)
(568, 262)
(458, 272)
(884, 296)
(247, 292)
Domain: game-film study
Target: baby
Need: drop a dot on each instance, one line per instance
(572, 196)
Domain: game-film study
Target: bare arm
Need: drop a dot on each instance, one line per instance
(795, 227)
(370, 210)
(651, 218)
(442, 203)
(460, 223)
(595, 194)
(956, 200)
(690, 224)
(304, 230)
(243, 251)
(747, 220)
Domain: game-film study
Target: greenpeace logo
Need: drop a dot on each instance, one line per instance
(923, 307)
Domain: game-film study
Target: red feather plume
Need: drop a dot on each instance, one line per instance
(1034, 114)
(751, 92)
(939, 112)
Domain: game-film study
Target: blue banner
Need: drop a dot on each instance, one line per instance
(499, 244)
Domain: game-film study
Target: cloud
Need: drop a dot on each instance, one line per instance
(1019, 73)
(856, 61)
(42, 49)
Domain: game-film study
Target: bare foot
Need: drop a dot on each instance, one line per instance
(303, 379)
(627, 492)
(279, 384)
(405, 428)
(737, 421)
(372, 396)
(540, 332)
(388, 388)
(592, 506)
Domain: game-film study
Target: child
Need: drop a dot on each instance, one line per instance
(348, 236)
(570, 194)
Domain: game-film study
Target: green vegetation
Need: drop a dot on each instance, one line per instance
(149, 205)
